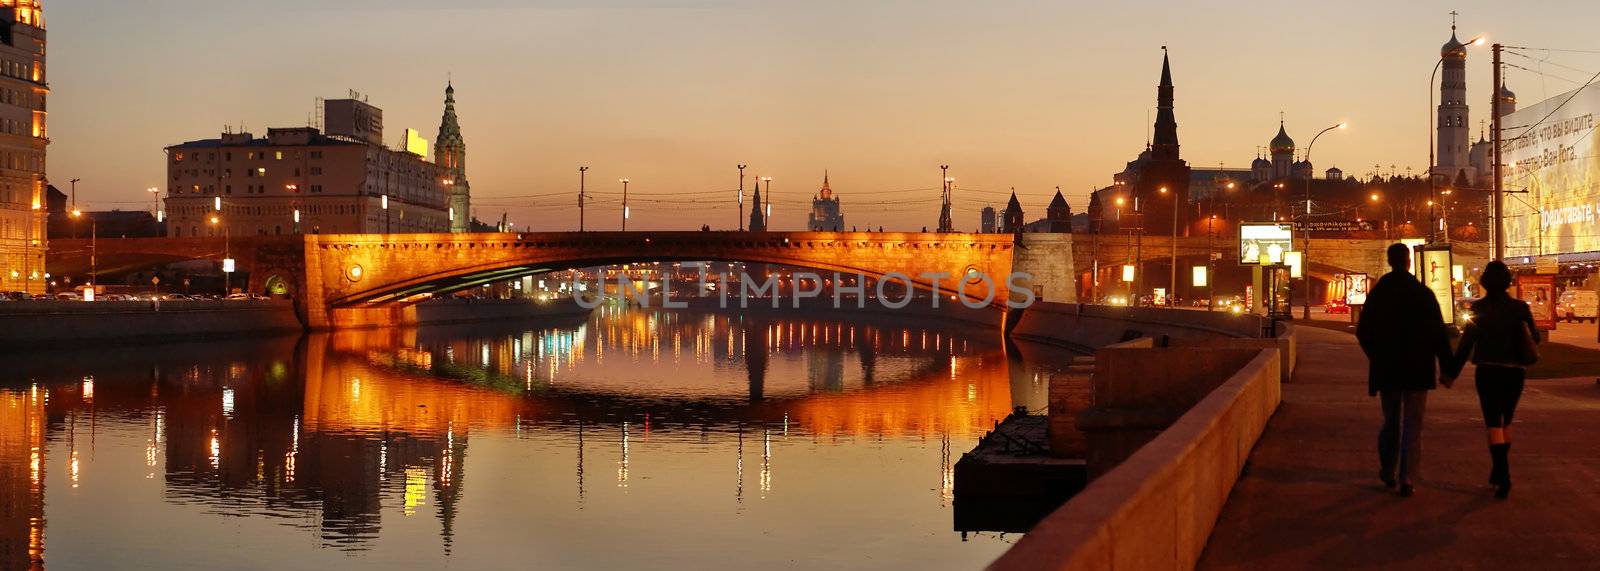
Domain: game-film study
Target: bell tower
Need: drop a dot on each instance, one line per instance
(450, 152)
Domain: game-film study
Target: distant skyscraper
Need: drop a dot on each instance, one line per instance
(450, 152)
(22, 180)
(1451, 160)
(989, 220)
(825, 215)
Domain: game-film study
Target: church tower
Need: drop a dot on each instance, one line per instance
(1282, 150)
(1162, 187)
(758, 220)
(1453, 141)
(450, 152)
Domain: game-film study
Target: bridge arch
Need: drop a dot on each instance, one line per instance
(358, 270)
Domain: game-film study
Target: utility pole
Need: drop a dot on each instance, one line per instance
(945, 224)
(1172, 286)
(624, 204)
(581, 172)
(73, 209)
(1499, 182)
(740, 215)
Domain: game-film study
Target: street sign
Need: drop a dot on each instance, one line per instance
(1332, 225)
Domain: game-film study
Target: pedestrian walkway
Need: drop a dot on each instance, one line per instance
(1310, 495)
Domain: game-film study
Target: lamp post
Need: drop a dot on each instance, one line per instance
(1388, 230)
(740, 214)
(1305, 229)
(582, 171)
(1172, 285)
(1211, 246)
(768, 207)
(385, 203)
(625, 212)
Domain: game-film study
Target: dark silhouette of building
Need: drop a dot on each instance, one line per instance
(62, 224)
(758, 220)
(1013, 222)
(825, 215)
(990, 220)
(1058, 216)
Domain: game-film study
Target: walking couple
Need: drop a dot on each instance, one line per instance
(1403, 334)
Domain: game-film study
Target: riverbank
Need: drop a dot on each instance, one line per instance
(33, 324)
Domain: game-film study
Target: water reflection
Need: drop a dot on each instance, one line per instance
(352, 437)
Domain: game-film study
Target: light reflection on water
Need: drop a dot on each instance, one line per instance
(636, 438)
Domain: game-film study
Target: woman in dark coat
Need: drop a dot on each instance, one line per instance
(1496, 340)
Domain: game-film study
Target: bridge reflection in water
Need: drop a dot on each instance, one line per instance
(706, 429)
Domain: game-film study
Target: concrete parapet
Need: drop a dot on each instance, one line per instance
(1089, 327)
(1157, 508)
(50, 322)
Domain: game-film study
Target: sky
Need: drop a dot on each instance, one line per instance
(672, 94)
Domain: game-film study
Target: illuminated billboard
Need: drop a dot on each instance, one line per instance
(415, 144)
(1552, 151)
(1264, 239)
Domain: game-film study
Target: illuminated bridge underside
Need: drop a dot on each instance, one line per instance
(395, 268)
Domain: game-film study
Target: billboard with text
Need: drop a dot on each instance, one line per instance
(1552, 152)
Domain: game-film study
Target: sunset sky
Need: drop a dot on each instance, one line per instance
(673, 93)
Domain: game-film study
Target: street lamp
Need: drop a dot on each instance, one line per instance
(227, 257)
(1172, 286)
(385, 202)
(1305, 228)
(1388, 230)
(768, 207)
(740, 213)
(582, 172)
(625, 211)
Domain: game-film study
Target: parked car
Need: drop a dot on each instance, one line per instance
(1337, 306)
(1578, 305)
(69, 296)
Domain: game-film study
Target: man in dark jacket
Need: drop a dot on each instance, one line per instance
(1403, 334)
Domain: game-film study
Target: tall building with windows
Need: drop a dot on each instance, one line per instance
(304, 180)
(23, 137)
(825, 215)
(1452, 161)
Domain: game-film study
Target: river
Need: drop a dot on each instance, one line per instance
(631, 439)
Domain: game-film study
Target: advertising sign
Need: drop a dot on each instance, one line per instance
(1355, 289)
(1540, 294)
(1264, 239)
(1435, 273)
(1332, 225)
(1552, 151)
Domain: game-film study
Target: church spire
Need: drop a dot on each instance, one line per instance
(450, 152)
(758, 220)
(1164, 145)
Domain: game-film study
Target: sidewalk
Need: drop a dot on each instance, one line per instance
(1310, 496)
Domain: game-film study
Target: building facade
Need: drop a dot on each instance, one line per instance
(23, 137)
(1451, 160)
(825, 215)
(302, 180)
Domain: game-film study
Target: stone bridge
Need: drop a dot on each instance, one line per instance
(326, 273)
